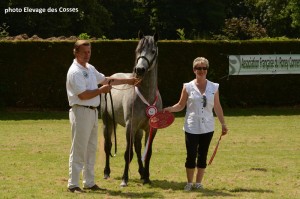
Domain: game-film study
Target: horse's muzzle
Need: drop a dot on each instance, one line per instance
(140, 71)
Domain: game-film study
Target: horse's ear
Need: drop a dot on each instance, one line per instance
(155, 36)
(140, 34)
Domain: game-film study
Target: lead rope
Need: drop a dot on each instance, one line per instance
(215, 151)
(122, 89)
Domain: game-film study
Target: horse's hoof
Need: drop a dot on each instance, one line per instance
(147, 181)
(123, 184)
(106, 176)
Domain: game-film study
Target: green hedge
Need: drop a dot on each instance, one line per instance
(33, 73)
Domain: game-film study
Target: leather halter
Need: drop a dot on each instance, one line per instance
(150, 63)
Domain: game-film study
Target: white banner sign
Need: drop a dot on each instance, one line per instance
(264, 64)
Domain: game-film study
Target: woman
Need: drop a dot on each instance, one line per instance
(200, 96)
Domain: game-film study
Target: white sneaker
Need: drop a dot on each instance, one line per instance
(199, 186)
(188, 187)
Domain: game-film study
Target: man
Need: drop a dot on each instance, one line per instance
(83, 95)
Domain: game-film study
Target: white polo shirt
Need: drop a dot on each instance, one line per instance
(199, 119)
(80, 79)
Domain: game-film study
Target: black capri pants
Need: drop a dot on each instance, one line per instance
(197, 147)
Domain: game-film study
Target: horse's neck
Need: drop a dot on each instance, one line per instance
(148, 86)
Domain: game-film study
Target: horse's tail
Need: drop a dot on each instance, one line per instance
(114, 122)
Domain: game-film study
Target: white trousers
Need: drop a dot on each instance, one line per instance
(84, 126)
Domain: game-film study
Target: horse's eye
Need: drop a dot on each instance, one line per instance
(153, 51)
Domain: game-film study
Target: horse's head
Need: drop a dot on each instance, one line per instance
(146, 54)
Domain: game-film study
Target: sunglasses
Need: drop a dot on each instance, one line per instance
(200, 68)
(204, 101)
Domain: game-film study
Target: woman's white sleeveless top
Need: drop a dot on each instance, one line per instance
(199, 119)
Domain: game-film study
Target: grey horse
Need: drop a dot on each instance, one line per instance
(130, 109)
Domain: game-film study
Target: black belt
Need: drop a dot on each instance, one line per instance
(90, 107)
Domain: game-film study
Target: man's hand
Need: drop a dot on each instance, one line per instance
(105, 88)
(135, 81)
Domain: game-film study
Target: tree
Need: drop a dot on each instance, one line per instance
(241, 29)
(197, 17)
(128, 16)
(294, 7)
(277, 17)
(124, 18)
(240, 8)
(280, 17)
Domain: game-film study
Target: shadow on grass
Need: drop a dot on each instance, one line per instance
(178, 186)
(232, 192)
(165, 185)
(147, 194)
(171, 186)
(126, 194)
(239, 189)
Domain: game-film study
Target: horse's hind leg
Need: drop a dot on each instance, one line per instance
(138, 151)
(128, 154)
(107, 132)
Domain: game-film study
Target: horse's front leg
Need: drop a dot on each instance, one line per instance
(148, 157)
(128, 154)
(138, 151)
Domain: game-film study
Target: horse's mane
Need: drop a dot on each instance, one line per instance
(140, 45)
(144, 42)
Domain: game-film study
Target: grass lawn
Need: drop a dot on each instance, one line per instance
(259, 158)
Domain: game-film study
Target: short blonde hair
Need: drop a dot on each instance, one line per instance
(200, 60)
(79, 43)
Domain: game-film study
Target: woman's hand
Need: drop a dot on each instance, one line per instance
(224, 129)
(167, 109)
